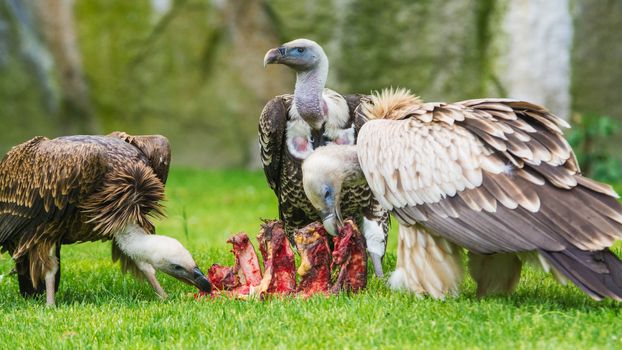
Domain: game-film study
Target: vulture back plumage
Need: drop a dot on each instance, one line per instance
(76, 189)
(495, 176)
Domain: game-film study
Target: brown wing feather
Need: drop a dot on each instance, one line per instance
(353, 102)
(41, 181)
(156, 148)
(272, 126)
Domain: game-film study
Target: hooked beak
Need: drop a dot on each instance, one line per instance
(195, 278)
(274, 56)
(200, 281)
(377, 262)
(331, 219)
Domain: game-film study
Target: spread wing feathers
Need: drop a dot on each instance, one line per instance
(41, 181)
(493, 175)
(272, 126)
(426, 263)
(156, 149)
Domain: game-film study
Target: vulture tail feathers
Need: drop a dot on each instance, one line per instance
(597, 273)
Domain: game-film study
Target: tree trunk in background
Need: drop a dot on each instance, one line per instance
(535, 51)
(57, 24)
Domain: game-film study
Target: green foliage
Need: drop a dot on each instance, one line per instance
(590, 138)
(98, 307)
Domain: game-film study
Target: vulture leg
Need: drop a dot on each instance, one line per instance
(495, 273)
(51, 282)
(426, 263)
(57, 277)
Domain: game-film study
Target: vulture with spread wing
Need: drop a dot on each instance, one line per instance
(494, 176)
(291, 127)
(88, 188)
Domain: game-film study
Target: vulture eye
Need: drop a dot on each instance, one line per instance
(327, 193)
(300, 49)
(177, 267)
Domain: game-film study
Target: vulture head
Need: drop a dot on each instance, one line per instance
(324, 175)
(301, 55)
(310, 63)
(153, 253)
(172, 258)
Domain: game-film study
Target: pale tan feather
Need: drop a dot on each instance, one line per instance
(415, 154)
(426, 263)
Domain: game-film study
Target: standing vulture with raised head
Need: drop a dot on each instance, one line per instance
(495, 176)
(88, 188)
(291, 127)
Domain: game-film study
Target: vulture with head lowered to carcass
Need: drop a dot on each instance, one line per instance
(495, 176)
(291, 127)
(88, 188)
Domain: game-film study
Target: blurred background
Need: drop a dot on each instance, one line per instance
(192, 69)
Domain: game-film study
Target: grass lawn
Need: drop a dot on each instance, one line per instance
(98, 307)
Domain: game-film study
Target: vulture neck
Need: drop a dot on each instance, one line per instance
(348, 158)
(308, 94)
(136, 243)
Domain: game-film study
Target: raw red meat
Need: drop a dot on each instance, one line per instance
(350, 258)
(314, 269)
(243, 276)
(278, 259)
(246, 262)
(244, 279)
(223, 277)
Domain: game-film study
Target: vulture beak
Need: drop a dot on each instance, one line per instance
(331, 219)
(274, 56)
(195, 278)
(200, 281)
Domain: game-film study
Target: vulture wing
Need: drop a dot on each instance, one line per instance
(493, 175)
(272, 127)
(41, 181)
(156, 148)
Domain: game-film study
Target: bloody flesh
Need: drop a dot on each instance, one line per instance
(278, 259)
(314, 269)
(244, 279)
(246, 262)
(245, 273)
(223, 277)
(350, 258)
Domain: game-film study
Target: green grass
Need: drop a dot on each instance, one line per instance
(98, 307)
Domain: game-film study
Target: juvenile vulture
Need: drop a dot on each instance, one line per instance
(88, 188)
(495, 176)
(291, 127)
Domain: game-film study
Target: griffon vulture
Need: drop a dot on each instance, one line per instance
(291, 127)
(495, 176)
(88, 188)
